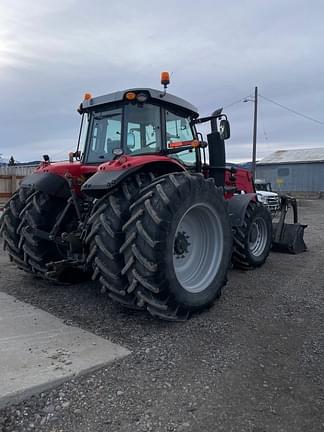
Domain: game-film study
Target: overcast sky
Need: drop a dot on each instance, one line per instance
(51, 52)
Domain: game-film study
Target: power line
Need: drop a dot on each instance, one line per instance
(236, 102)
(292, 110)
(263, 125)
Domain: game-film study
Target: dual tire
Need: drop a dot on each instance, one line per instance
(25, 213)
(164, 246)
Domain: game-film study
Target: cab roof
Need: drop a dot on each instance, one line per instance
(157, 95)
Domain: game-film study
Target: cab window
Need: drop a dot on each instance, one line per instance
(142, 129)
(105, 135)
(179, 129)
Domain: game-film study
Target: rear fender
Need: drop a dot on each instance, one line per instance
(237, 206)
(105, 180)
(48, 183)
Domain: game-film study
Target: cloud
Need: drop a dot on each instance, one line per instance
(51, 52)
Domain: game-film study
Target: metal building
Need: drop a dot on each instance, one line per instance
(297, 171)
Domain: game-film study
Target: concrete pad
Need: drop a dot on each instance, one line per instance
(38, 351)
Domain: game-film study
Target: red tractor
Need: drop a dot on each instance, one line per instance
(141, 206)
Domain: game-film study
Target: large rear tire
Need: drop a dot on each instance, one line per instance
(106, 238)
(178, 245)
(252, 241)
(41, 212)
(9, 224)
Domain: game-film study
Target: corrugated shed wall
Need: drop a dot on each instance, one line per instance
(303, 177)
(18, 171)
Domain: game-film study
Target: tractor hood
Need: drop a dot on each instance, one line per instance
(74, 169)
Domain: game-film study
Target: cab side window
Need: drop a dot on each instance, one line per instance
(105, 135)
(177, 128)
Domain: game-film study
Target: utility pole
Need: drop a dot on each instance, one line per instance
(255, 126)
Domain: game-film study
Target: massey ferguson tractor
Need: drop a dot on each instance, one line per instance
(145, 206)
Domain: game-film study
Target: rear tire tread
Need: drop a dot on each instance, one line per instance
(107, 239)
(146, 273)
(9, 227)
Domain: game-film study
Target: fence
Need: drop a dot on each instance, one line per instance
(10, 178)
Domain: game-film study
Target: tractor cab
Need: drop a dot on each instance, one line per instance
(137, 122)
(148, 129)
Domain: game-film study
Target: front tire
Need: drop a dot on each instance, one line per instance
(252, 240)
(181, 245)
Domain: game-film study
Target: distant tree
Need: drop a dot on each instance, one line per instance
(12, 161)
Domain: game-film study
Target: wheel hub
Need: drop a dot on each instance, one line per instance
(198, 247)
(258, 237)
(254, 233)
(181, 244)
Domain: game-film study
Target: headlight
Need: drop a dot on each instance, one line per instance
(142, 97)
(261, 198)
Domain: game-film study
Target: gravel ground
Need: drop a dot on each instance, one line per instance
(252, 363)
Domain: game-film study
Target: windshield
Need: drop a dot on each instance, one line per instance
(138, 133)
(263, 187)
(142, 129)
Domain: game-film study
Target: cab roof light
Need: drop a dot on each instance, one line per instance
(87, 96)
(142, 97)
(130, 96)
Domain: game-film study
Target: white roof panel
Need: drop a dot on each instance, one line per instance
(294, 156)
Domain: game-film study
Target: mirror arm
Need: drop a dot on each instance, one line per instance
(176, 150)
(206, 119)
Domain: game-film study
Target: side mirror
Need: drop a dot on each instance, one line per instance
(224, 129)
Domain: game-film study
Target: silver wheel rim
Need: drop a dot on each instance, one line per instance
(198, 248)
(258, 236)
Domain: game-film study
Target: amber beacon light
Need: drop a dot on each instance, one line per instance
(165, 79)
(87, 96)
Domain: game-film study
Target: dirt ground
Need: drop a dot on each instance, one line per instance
(252, 363)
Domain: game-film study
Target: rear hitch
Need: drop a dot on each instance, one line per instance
(66, 271)
(288, 237)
